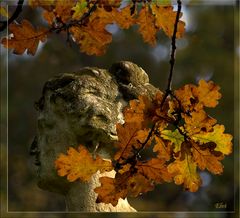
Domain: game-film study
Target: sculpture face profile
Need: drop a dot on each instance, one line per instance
(82, 108)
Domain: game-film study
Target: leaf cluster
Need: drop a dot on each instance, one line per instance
(161, 142)
(85, 23)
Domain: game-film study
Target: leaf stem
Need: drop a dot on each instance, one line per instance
(172, 56)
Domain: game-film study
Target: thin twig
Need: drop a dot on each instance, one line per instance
(172, 57)
(14, 16)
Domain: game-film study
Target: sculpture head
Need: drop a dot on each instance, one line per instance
(83, 108)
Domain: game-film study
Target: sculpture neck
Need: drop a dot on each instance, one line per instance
(81, 197)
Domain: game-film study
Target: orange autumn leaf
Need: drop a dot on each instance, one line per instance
(124, 19)
(192, 97)
(46, 4)
(162, 148)
(207, 93)
(25, 37)
(93, 37)
(198, 122)
(185, 172)
(206, 158)
(79, 164)
(127, 140)
(147, 29)
(165, 20)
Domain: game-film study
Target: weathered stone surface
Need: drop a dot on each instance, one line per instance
(83, 108)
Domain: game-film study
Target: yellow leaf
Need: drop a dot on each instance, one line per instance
(79, 164)
(165, 19)
(185, 172)
(221, 139)
(25, 37)
(146, 26)
(3, 12)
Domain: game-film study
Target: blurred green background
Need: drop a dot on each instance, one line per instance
(208, 50)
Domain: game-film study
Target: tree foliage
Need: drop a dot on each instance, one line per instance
(182, 138)
(85, 22)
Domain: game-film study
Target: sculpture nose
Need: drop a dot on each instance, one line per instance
(34, 151)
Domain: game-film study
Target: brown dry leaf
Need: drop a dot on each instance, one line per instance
(185, 172)
(138, 184)
(79, 164)
(162, 148)
(25, 37)
(155, 170)
(121, 186)
(207, 159)
(110, 191)
(63, 9)
(147, 29)
(165, 19)
(127, 143)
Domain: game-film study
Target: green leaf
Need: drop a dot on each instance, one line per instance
(175, 137)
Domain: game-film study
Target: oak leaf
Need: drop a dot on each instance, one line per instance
(207, 93)
(154, 169)
(162, 147)
(207, 159)
(63, 10)
(198, 122)
(123, 18)
(147, 29)
(165, 20)
(79, 164)
(111, 190)
(127, 142)
(185, 172)
(93, 37)
(25, 37)
(121, 186)
(221, 139)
